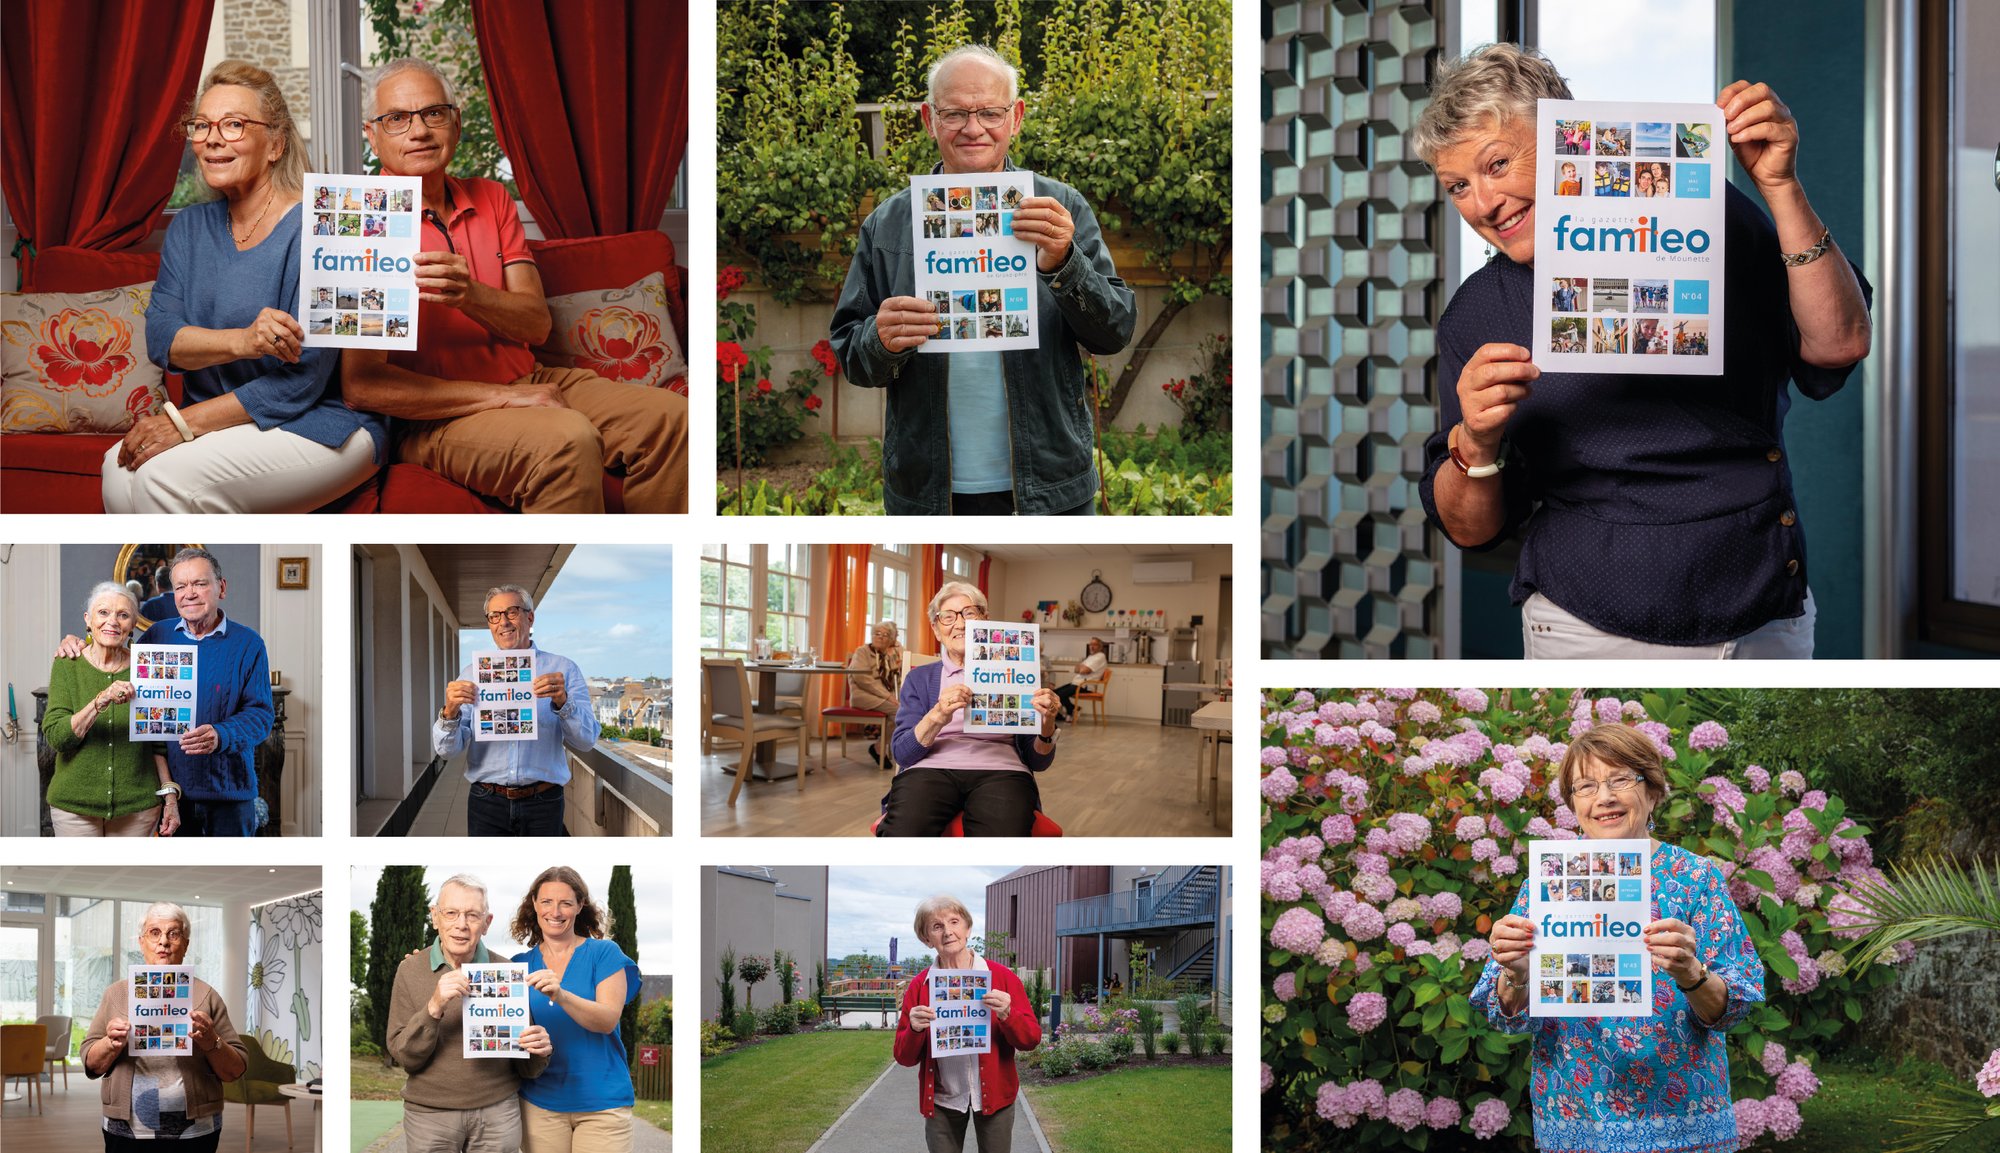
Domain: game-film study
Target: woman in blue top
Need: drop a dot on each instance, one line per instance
(263, 428)
(583, 1100)
(1658, 1084)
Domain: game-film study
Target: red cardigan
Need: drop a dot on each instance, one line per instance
(999, 1084)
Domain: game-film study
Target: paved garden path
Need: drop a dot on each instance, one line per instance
(646, 1137)
(885, 1120)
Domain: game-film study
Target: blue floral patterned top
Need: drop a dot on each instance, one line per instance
(1618, 1084)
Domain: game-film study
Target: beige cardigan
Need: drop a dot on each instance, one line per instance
(203, 1087)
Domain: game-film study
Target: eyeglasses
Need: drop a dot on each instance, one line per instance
(955, 118)
(950, 617)
(397, 123)
(168, 935)
(230, 127)
(1619, 785)
(507, 614)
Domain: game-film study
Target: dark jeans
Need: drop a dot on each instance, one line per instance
(1002, 504)
(218, 818)
(1067, 693)
(996, 803)
(203, 1144)
(944, 1130)
(488, 814)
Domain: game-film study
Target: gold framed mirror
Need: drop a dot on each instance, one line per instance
(147, 565)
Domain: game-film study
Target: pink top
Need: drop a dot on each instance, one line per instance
(955, 748)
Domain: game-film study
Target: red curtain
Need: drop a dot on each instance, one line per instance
(87, 116)
(843, 621)
(590, 104)
(930, 578)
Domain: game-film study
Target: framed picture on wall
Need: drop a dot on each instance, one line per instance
(294, 572)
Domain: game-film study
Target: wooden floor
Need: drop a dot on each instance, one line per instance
(1121, 779)
(72, 1120)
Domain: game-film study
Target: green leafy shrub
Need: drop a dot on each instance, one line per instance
(1171, 1042)
(754, 414)
(778, 1019)
(1059, 1060)
(363, 1047)
(1132, 489)
(807, 1009)
(714, 1039)
(726, 983)
(1093, 1055)
(851, 485)
(1204, 396)
(744, 1025)
(656, 1022)
(1121, 1045)
(752, 968)
(1216, 1040)
(1339, 766)
(1149, 1027)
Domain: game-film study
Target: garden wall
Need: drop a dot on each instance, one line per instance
(791, 332)
(1941, 1007)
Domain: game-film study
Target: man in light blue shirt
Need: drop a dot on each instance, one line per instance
(517, 786)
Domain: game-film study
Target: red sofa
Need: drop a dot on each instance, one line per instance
(58, 472)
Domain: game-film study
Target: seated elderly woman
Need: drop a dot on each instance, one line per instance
(1656, 513)
(104, 785)
(264, 429)
(166, 1101)
(946, 770)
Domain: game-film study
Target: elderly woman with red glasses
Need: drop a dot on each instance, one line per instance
(989, 777)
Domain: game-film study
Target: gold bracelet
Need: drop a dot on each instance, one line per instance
(1797, 259)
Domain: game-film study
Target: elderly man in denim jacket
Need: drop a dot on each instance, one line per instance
(990, 432)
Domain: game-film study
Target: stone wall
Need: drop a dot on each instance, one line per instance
(1944, 1006)
(260, 31)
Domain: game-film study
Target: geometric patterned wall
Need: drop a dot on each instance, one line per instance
(1353, 244)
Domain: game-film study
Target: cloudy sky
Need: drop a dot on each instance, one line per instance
(866, 907)
(610, 611)
(1632, 50)
(507, 884)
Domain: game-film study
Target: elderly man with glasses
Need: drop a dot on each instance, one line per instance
(984, 432)
(989, 777)
(470, 401)
(517, 786)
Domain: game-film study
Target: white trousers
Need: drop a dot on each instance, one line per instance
(68, 824)
(241, 468)
(1548, 632)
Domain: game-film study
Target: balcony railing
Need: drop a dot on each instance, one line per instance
(1184, 895)
(611, 796)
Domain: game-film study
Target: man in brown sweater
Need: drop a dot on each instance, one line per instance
(452, 1104)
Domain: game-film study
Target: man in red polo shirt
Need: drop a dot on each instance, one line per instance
(470, 402)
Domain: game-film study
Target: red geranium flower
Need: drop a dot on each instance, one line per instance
(813, 403)
(728, 280)
(729, 357)
(764, 385)
(823, 352)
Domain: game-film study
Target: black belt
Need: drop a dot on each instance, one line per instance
(518, 794)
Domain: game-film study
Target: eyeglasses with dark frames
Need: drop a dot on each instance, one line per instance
(950, 617)
(231, 128)
(398, 122)
(511, 613)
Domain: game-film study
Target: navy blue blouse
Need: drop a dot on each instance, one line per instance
(1654, 507)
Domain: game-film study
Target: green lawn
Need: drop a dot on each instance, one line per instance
(780, 1095)
(660, 1114)
(371, 1080)
(369, 1120)
(1861, 1095)
(1137, 1107)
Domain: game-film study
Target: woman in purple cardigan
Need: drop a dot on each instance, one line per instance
(946, 770)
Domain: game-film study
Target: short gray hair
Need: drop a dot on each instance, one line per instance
(956, 589)
(980, 53)
(193, 553)
(397, 67)
(167, 911)
(932, 906)
(109, 589)
(467, 881)
(527, 598)
(1490, 85)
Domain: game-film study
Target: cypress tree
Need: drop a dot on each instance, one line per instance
(625, 932)
(396, 924)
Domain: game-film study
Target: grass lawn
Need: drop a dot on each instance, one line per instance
(660, 1114)
(371, 1080)
(815, 1076)
(369, 1120)
(1158, 1110)
(1861, 1095)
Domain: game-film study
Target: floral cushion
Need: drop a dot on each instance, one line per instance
(76, 362)
(620, 334)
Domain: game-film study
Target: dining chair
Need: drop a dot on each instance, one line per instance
(1093, 691)
(734, 718)
(58, 1046)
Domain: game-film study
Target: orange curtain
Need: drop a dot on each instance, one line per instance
(844, 613)
(930, 578)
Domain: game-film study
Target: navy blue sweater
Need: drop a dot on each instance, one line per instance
(233, 678)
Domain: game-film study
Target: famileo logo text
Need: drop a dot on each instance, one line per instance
(982, 261)
(367, 260)
(1644, 236)
(1598, 926)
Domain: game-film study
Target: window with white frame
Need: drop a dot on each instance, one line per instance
(889, 583)
(962, 564)
(726, 607)
(787, 580)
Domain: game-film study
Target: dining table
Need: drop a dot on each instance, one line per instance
(1212, 721)
(767, 701)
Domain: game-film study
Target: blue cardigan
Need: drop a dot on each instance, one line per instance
(235, 697)
(920, 692)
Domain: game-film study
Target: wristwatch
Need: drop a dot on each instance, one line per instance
(1698, 981)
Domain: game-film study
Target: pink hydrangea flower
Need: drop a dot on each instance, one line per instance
(1332, 1105)
(1797, 1082)
(1401, 935)
(1989, 1076)
(1298, 930)
(1399, 694)
(1485, 849)
(1471, 700)
(1792, 782)
(1807, 980)
(1750, 1123)
(1264, 1079)
(1363, 923)
(1759, 778)
(1566, 818)
(1469, 828)
(1708, 736)
(1774, 1059)
(1425, 713)
(1278, 784)
(1409, 831)
(1404, 909)
(1610, 710)
(1783, 1117)
(1367, 1097)
(1476, 951)
(1337, 829)
(1489, 1117)
(1404, 1109)
(1365, 1011)
(1444, 904)
(1442, 1113)
(1505, 866)
(1285, 987)
(1272, 755)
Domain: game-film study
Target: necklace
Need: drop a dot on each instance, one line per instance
(252, 231)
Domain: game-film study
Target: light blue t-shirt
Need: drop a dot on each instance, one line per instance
(977, 403)
(586, 1070)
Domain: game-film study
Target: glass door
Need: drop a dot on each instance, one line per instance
(20, 973)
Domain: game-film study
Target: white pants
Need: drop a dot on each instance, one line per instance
(1550, 632)
(241, 468)
(68, 824)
